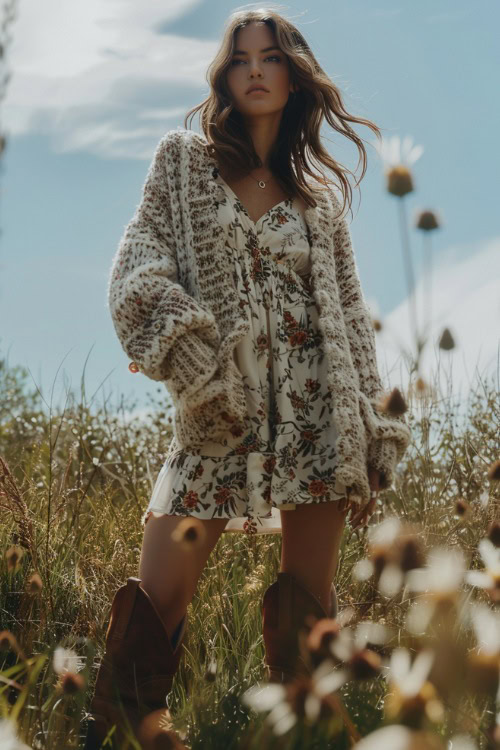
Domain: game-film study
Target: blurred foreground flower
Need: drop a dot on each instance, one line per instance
(66, 663)
(394, 549)
(411, 696)
(66, 660)
(440, 583)
(8, 737)
(489, 578)
(397, 737)
(309, 698)
(483, 663)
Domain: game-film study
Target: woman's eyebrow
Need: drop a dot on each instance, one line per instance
(242, 51)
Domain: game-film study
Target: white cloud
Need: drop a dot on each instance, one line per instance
(90, 74)
(465, 298)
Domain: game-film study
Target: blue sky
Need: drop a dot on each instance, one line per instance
(94, 87)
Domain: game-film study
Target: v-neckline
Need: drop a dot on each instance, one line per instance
(255, 223)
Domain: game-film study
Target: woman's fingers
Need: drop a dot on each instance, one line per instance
(360, 517)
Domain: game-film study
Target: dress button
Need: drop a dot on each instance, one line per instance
(133, 367)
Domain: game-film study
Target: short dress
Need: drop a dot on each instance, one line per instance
(283, 454)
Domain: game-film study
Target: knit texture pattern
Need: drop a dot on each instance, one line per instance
(175, 310)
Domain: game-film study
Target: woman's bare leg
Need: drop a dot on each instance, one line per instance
(168, 571)
(311, 537)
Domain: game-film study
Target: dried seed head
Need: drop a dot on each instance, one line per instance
(211, 672)
(427, 220)
(420, 385)
(189, 532)
(399, 180)
(71, 683)
(380, 556)
(493, 533)
(411, 552)
(446, 340)
(377, 324)
(13, 556)
(494, 471)
(8, 641)
(394, 403)
(461, 507)
(34, 585)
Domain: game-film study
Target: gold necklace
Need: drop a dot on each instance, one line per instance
(260, 183)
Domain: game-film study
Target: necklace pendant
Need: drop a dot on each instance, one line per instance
(262, 184)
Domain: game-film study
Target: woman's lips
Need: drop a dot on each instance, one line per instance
(258, 91)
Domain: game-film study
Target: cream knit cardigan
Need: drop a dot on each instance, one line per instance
(174, 306)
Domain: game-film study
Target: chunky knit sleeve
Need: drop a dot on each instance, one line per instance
(169, 335)
(388, 436)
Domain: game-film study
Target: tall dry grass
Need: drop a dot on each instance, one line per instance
(73, 486)
(413, 658)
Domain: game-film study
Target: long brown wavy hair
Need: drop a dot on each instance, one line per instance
(316, 97)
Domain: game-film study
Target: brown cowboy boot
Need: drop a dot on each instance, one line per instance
(286, 609)
(137, 670)
(289, 608)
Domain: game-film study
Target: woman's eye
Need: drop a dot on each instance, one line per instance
(271, 57)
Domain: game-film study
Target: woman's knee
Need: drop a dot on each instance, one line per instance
(311, 536)
(172, 558)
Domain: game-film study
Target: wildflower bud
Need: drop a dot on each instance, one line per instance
(494, 471)
(399, 180)
(394, 404)
(427, 220)
(71, 683)
(377, 324)
(446, 341)
(493, 533)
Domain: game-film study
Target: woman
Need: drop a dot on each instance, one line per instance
(271, 365)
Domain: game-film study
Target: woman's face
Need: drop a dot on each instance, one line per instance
(254, 63)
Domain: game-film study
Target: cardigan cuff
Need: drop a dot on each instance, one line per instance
(382, 456)
(190, 364)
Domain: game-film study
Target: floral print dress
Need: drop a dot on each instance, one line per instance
(284, 453)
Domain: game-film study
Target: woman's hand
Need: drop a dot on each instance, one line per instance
(360, 516)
